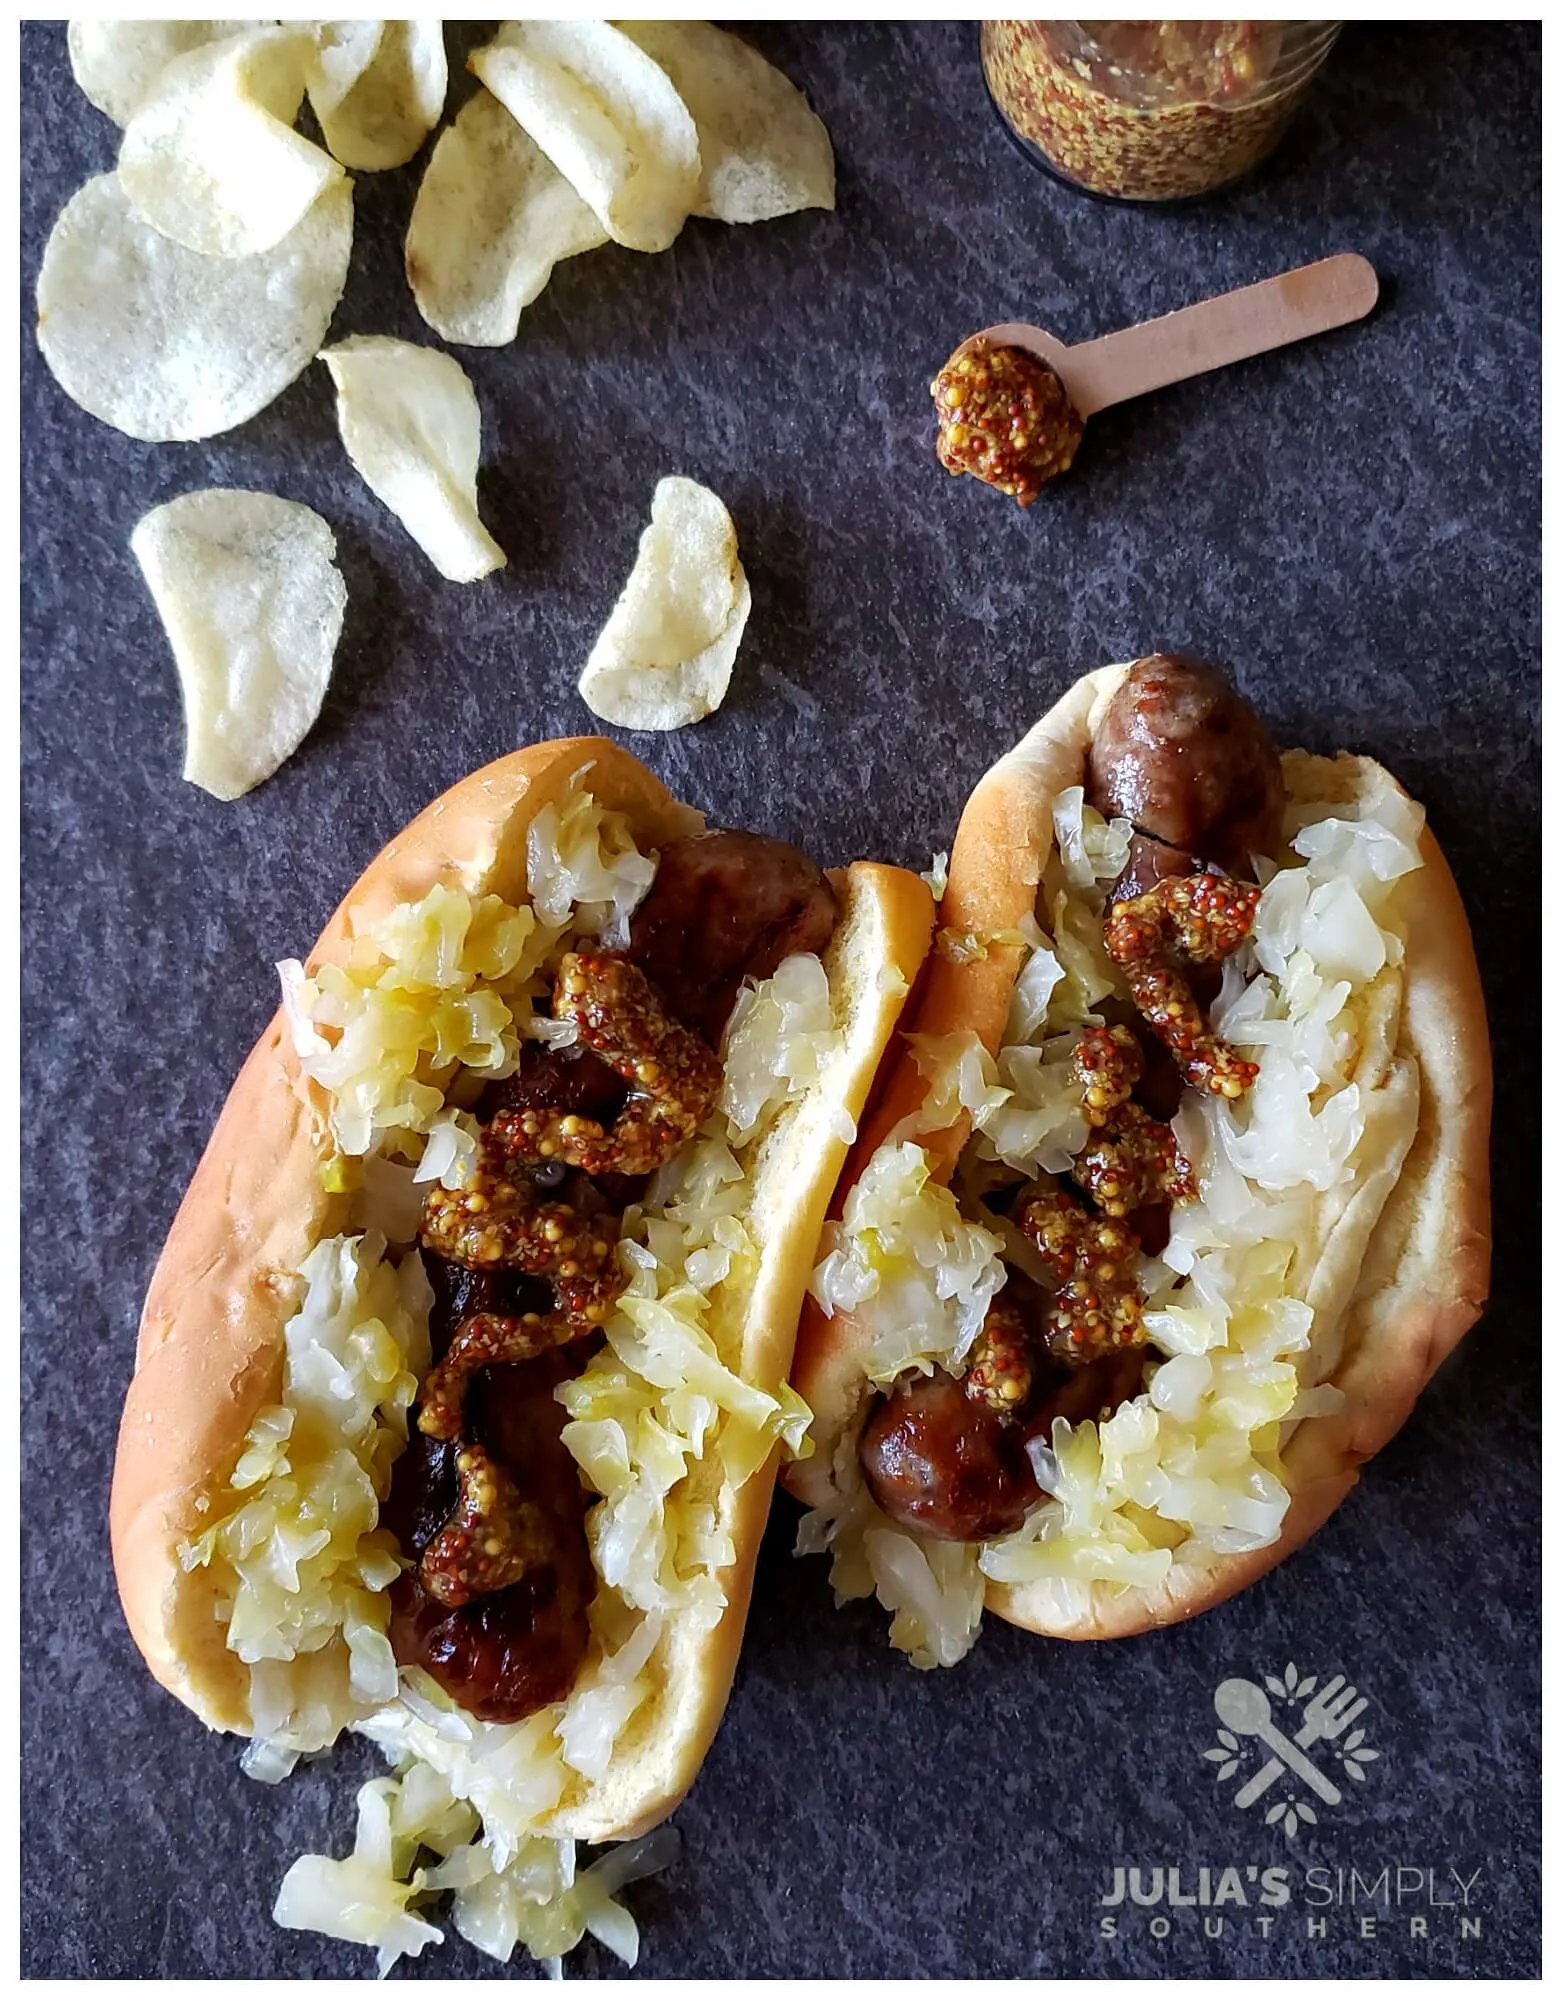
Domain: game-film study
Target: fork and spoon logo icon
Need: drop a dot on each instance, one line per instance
(1328, 1715)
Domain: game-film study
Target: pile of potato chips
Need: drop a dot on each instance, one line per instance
(182, 293)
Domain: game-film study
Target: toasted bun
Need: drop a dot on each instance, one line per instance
(209, 1352)
(1409, 1256)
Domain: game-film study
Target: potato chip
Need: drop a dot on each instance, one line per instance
(251, 599)
(664, 657)
(210, 157)
(492, 218)
(409, 419)
(763, 152)
(608, 118)
(377, 88)
(117, 62)
(164, 344)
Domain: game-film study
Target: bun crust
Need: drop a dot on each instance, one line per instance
(209, 1349)
(1421, 1237)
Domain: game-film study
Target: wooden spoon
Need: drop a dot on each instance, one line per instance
(1234, 327)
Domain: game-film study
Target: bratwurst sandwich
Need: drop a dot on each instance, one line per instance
(1176, 1193)
(462, 1377)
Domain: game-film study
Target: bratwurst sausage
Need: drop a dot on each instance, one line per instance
(1150, 861)
(506, 1654)
(1181, 756)
(938, 1462)
(726, 907)
(946, 1464)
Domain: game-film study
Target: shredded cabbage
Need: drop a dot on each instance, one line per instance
(1040, 1125)
(1092, 849)
(916, 1276)
(1026, 1108)
(933, 1588)
(432, 991)
(666, 1429)
(663, 1395)
(583, 870)
(510, 1772)
(960, 1078)
(1088, 973)
(364, 1899)
(1040, 976)
(451, 1153)
(303, 1566)
(781, 1039)
(598, 1709)
(501, 1897)
(1189, 1469)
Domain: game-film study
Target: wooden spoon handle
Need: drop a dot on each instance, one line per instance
(1312, 300)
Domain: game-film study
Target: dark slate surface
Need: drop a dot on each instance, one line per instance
(1353, 526)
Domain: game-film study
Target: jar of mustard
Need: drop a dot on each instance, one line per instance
(1151, 110)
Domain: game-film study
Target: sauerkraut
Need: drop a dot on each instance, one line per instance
(915, 1275)
(302, 1566)
(780, 1041)
(499, 1896)
(667, 1429)
(583, 870)
(1190, 1469)
(934, 1589)
(431, 992)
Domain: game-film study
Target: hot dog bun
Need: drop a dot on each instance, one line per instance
(1409, 1258)
(209, 1352)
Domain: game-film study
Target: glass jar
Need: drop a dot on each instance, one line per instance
(1151, 110)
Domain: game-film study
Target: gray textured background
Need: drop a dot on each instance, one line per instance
(1352, 526)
